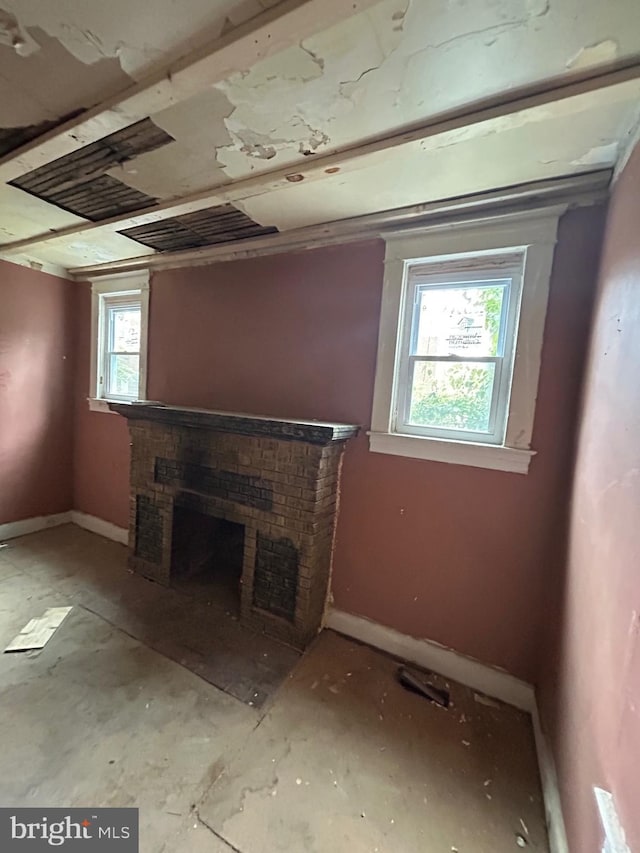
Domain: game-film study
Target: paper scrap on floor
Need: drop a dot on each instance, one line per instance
(37, 633)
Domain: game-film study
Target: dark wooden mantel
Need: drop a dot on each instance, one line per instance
(312, 432)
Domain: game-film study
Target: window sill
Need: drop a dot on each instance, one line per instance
(495, 457)
(101, 405)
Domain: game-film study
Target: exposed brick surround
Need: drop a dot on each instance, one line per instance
(278, 478)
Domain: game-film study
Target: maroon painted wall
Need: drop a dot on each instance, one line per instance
(101, 451)
(36, 375)
(455, 554)
(591, 693)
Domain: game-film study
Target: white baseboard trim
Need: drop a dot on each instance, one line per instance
(550, 789)
(100, 526)
(13, 529)
(479, 676)
(426, 653)
(486, 679)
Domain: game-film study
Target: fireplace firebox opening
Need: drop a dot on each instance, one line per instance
(207, 555)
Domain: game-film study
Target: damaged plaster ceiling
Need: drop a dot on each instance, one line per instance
(259, 115)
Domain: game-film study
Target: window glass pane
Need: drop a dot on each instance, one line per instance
(123, 375)
(452, 395)
(462, 320)
(125, 329)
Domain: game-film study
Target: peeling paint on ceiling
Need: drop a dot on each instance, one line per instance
(199, 131)
(599, 155)
(594, 54)
(396, 65)
(520, 153)
(378, 72)
(51, 82)
(27, 215)
(314, 85)
(76, 56)
(127, 31)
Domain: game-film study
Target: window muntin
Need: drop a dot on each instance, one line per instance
(458, 331)
(120, 325)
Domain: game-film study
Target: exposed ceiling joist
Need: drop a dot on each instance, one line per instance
(575, 190)
(279, 27)
(476, 120)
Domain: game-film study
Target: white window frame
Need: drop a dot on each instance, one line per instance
(434, 274)
(102, 289)
(533, 233)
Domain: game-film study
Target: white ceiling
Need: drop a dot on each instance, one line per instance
(398, 65)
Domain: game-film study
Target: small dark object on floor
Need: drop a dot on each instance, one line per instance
(418, 685)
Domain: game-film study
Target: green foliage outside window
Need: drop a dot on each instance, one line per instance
(458, 395)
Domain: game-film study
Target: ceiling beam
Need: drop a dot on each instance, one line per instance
(279, 27)
(589, 92)
(588, 188)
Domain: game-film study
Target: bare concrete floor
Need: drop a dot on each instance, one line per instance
(339, 758)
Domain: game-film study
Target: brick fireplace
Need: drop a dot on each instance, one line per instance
(240, 508)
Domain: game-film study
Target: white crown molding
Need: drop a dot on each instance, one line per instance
(38, 266)
(525, 199)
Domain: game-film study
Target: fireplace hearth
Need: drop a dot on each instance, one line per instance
(238, 509)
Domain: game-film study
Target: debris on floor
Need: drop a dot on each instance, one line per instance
(417, 684)
(37, 632)
(198, 752)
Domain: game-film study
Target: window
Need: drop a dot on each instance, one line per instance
(119, 340)
(460, 339)
(456, 357)
(119, 372)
